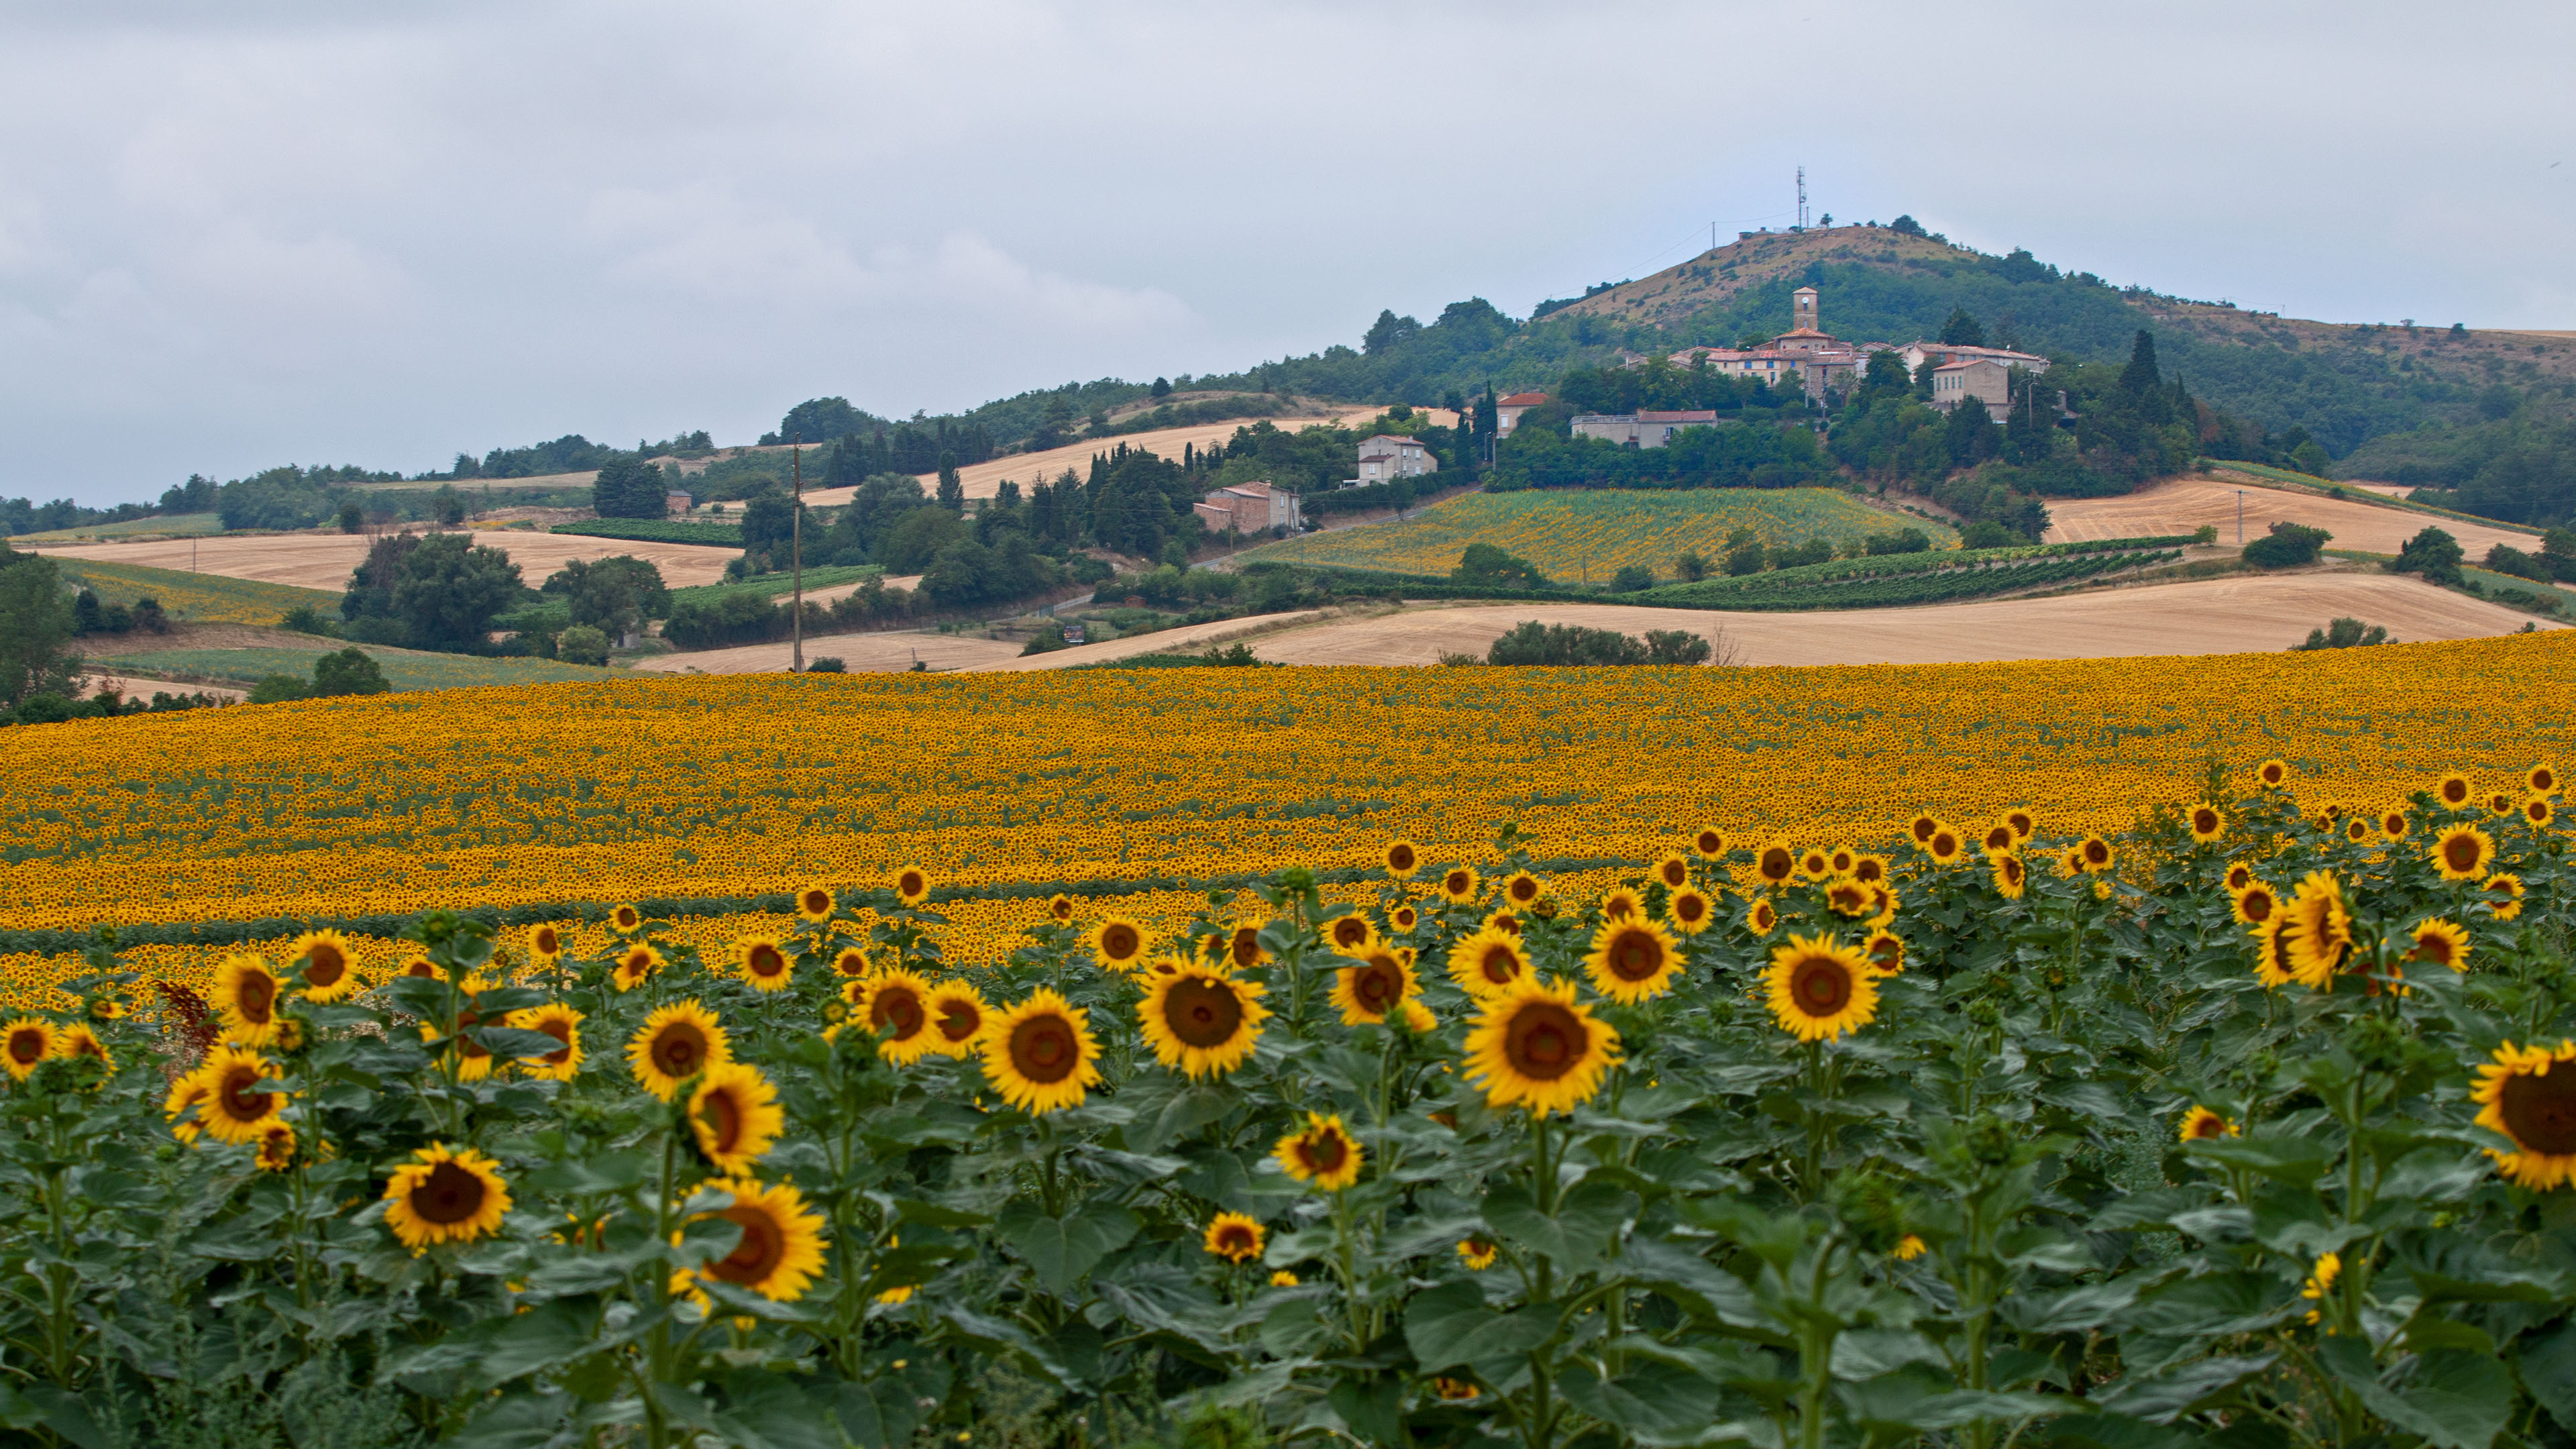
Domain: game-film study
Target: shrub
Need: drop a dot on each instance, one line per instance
(2505, 559)
(582, 644)
(350, 671)
(1631, 578)
(1691, 566)
(2433, 553)
(305, 619)
(1485, 566)
(278, 689)
(827, 664)
(2286, 546)
(1903, 540)
(1986, 533)
(1567, 644)
(2344, 633)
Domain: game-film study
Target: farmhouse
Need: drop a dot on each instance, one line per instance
(1507, 412)
(1942, 353)
(1391, 455)
(1249, 508)
(1983, 378)
(1642, 429)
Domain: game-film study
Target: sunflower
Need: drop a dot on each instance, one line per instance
(1998, 840)
(1060, 908)
(1118, 943)
(1403, 919)
(2356, 830)
(1920, 828)
(2541, 779)
(246, 990)
(2316, 930)
(1534, 1046)
(1945, 845)
(230, 1110)
(77, 1040)
(1849, 898)
(635, 961)
(2271, 957)
(329, 965)
(1709, 843)
(896, 1002)
(734, 1115)
(2239, 876)
(2096, 852)
(2070, 862)
(1243, 948)
(419, 966)
(106, 1008)
(1821, 988)
(2254, 904)
(1283, 1279)
(2024, 824)
(2011, 877)
(1632, 961)
(1623, 904)
(1762, 918)
(2536, 809)
(1350, 935)
(625, 920)
(2499, 803)
(445, 1195)
(188, 1093)
(1488, 961)
(763, 963)
(1690, 910)
(1814, 864)
(1375, 987)
(2321, 1281)
(1886, 952)
(1401, 859)
(545, 943)
(24, 1045)
(1775, 863)
(563, 1024)
(2455, 791)
(1520, 887)
(2504, 896)
(1416, 1017)
(1234, 1237)
(676, 1043)
(781, 1249)
(2200, 1124)
(276, 1148)
(2393, 823)
(1478, 1253)
(850, 961)
(1040, 1054)
(912, 885)
(1201, 1020)
(2440, 942)
(957, 1015)
(815, 904)
(2461, 852)
(1458, 884)
(1503, 921)
(2273, 773)
(1869, 869)
(2529, 1097)
(1322, 1152)
(1909, 1248)
(2207, 822)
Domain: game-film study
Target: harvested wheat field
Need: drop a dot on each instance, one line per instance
(2218, 616)
(864, 653)
(2184, 504)
(324, 560)
(983, 480)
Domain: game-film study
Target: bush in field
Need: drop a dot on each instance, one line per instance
(2287, 546)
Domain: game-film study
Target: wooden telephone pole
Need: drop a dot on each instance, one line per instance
(796, 549)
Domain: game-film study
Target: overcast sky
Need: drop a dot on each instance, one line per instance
(241, 234)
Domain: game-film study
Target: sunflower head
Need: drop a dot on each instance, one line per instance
(2499, 803)
(2536, 810)
(2356, 830)
(1403, 919)
(1820, 988)
(445, 1195)
(545, 943)
(1243, 948)
(1842, 860)
(896, 1003)
(1060, 908)
(1632, 960)
(676, 1042)
(2024, 824)
(1402, 858)
(1234, 1237)
(1709, 843)
(188, 1095)
(1848, 898)
(2207, 822)
(815, 903)
(1775, 863)
(1762, 918)
(1814, 863)
(1922, 826)
(2461, 852)
(420, 967)
(25, 1044)
(2273, 773)
(1623, 904)
(2200, 1124)
(1118, 943)
(734, 1116)
(2528, 1096)
(276, 1148)
(77, 1041)
(957, 1017)
(2096, 852)
(2271, 958)
(763, 962)
(326, 965)
(1690, 910)
(2316, 930)
(1351, 934)
(1377, 985)
(850, 962)
(625, 919)
(1869, 869)
(1040, 1054)
(1458, 884)
(1533, 1045)
(1886, 952)
(2011, 877)
(562, 1023)
(2504, 896)
(2541, 778)
(2392, 822)
(1998, 839)
(1201, 1021)
(911, 885)
(1945, 845)
(2239, 875)
(1322, 1152)
(1504, 921)
(246, 991)
(2440, 942)
(2254, 904)
(780, 1251)
(1488, 960)
(1478, 1252)
(1520, 888)
(636, 961)
(2455, 791)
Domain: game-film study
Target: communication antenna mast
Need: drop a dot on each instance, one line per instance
(1802, 198)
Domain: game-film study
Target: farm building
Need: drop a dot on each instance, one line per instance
(1389, 456)
(1507, 411)
(1249, 508)
(1644, 428)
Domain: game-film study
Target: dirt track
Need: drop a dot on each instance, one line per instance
(2184, 504)
(942, 652)
(325, 560)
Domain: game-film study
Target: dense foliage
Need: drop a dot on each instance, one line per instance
(428, 591)
(2520, 466)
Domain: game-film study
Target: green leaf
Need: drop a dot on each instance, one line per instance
(1448, 1325)
(1694, 1282)
(2165, 1397)
(2548, 1364)
(1582, 1228)
(2070, 1310)
(1656, 1402)
(1369, 1408)
(2458, 1399)
(1061, 1250)
(508, 1043)
(764, 1410)
(2297, 1161)
(913, 1210)
(1866, 1353)
(517, 1421)
(1003, 1338)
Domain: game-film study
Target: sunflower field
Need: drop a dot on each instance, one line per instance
(2251, 1125)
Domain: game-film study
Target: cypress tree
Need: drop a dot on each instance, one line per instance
(1962, 330)
(952, 489)
(2140, 375)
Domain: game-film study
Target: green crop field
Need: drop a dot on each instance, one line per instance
(195, 598)
(404, 669)
(771, 586)
(131, 528)
(1574, 536)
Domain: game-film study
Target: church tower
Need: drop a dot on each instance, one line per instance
(1802, 310)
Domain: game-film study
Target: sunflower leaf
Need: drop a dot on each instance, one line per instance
(1060, 1250)
(1448, 1325)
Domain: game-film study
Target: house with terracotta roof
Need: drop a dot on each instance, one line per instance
(1983, 378)
(1249, 508)
(1390, 456)
(1507, 411)
(1942, 353)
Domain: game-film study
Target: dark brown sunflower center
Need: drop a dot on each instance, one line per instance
(2434, 947)
(1455, 883)
(2543, 780)
(637, 962)
(1675, 873)
(1377, 986)
(1689, 908)
(1776, 864)
(2540, 1112)
(1868, 872)
(1525, 890)
(1043, 1049)
(449, 1195)
(723, 1117)
(548, 942)
(1324, 1150)
(560, 1030)
(2096, 853)
(2455, 792)
(1545, 1041)
(816, 903)
(1886, 950)
(1350, 931)
(1246, 949)
(1400, 857)
(1119, 942)
(2204, 821)
(1923, 828)
(767, 961)
(27, 1045)
(1061, 910)
(1202, 1013)
(1820, 985)
(910, 883)
(254, 997)
(2208, 1127)
(680, 1050)
(762, 1249)
(418, 967)
(1710, 842)
(898, 1007)
(1636, 956)
(958, 1021)
(1234, 1240)
(1499, 964)
(2258, 906)
(324, 965)
(626, 919)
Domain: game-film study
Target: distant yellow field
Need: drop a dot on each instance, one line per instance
(1574, 536)
(196, 598)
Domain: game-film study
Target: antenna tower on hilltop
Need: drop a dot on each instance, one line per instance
(1802, 198)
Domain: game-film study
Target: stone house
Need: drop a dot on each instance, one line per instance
(1983, 378)
(1644, 428)
(1389, 456)
(1249, 508)
(1507, 411)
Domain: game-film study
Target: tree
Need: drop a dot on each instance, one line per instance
(35, 629)
(1387, 331)
(629, 488)
(1691, 566)
(1962, 330)
(2433, 553)
(1485, 566)
(450, 589)
(821, 420)
(2141, 375)
(952, 489)
(352, 517)
(1162, 387)
(279, 689)
(1631, 578)
(1676, 646)
(582, 644)
(918, 537)
(768, 525)
(2286, 546)
(614, 595)
(1906, 226)
(350, 671)
(2344, 633)
(448, 506)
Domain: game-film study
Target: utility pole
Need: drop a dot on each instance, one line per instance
(2240, 515)
(796, 547)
